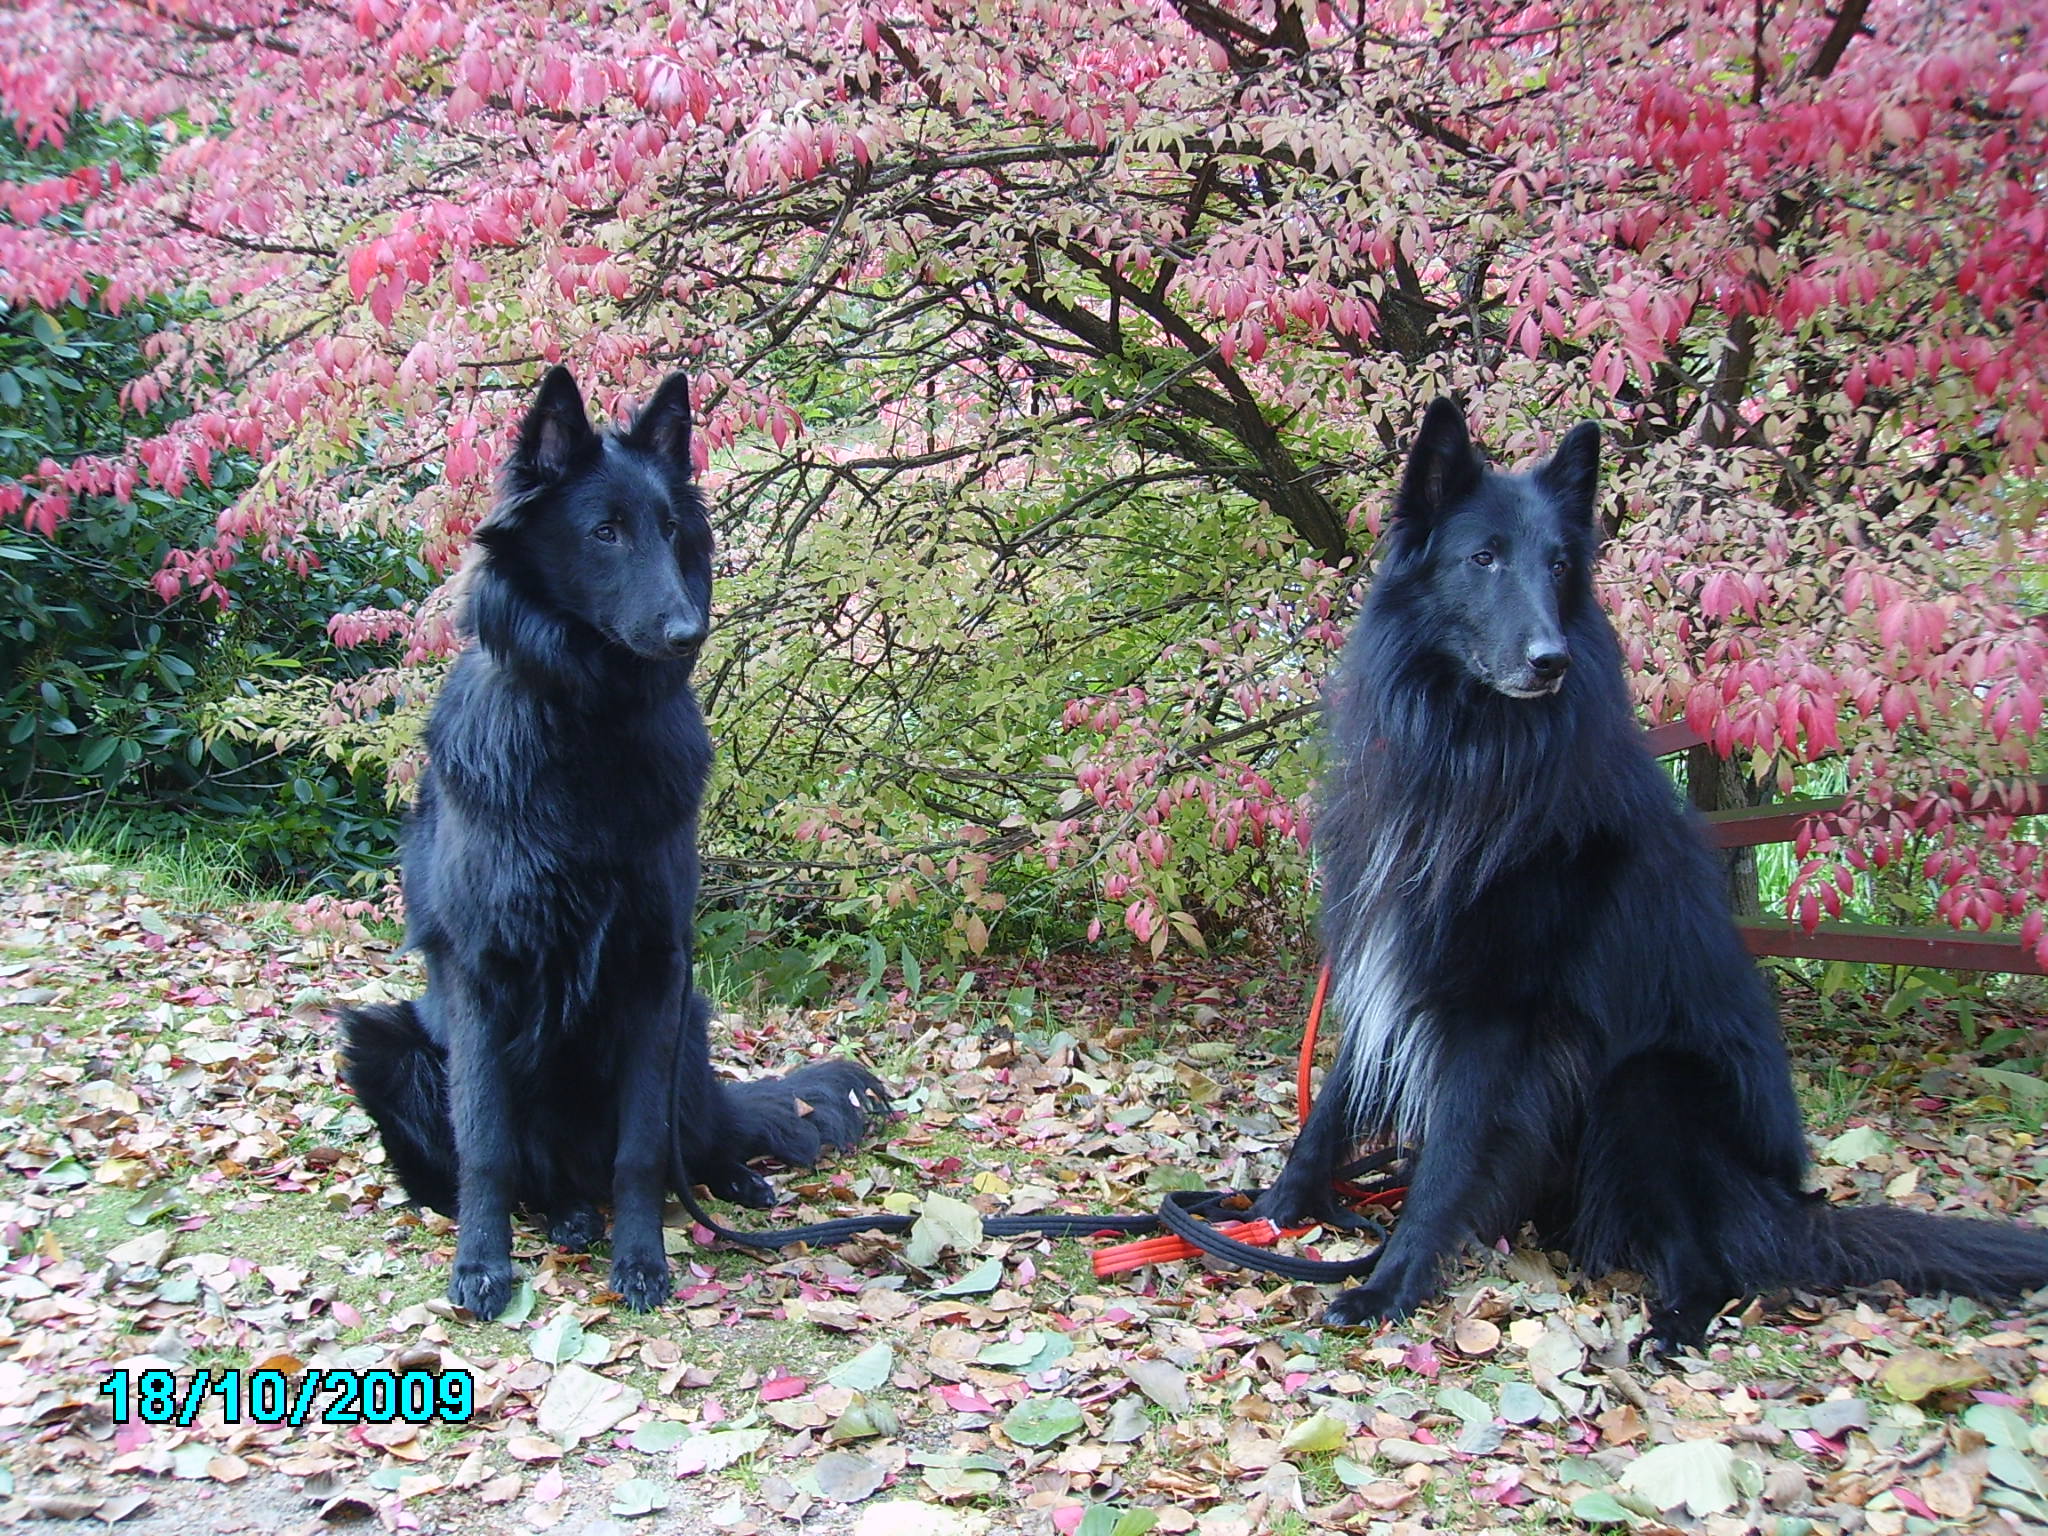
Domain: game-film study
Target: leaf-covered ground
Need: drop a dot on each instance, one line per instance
(192, 1191)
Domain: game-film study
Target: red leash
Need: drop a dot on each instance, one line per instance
(1308, 1046)
(1121, 1257)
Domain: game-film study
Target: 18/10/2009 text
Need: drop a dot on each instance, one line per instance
(159, 1396)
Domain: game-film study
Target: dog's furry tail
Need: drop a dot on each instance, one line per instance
(1863, 1245)
(796, 1118)
(400, 1074)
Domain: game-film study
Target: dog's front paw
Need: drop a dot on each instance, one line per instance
(642, 1280)
(576, 1229)
(482, 1287)
(740, 1185)
(1294, 1203)
(1365, 1304)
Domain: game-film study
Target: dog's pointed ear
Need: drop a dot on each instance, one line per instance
(1442, 466)
(556, 433)
(663, 427)
(1572, 473)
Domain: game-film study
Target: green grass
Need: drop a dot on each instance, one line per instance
(206, 870)
(1320, 1483)
(265, 1228)
(301, 1230)
(1828, 1098)
(1766, 1354)
(1073, 1263)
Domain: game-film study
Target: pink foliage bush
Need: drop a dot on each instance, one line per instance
(1794, 259)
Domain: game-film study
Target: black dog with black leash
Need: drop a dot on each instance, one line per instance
(560, 1060)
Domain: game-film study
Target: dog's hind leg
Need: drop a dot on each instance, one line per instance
(1662, 1189)
(575, 1227)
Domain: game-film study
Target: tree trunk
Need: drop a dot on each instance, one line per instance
(1715, 783)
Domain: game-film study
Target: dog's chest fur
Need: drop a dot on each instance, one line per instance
(1386, 1060)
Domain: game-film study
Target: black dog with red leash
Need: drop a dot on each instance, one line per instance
(1539, 979)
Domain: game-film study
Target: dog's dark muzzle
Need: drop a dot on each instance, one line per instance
(683, 637)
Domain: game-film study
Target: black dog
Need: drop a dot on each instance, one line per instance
(560, 1056)
(1531, 949)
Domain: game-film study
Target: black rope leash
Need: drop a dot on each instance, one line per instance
(1184, 1213)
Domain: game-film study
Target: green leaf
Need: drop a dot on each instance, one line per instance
(1041, 1420)
(638, 1496)
(1699, 1474)
(1317, 1433)
(866, 1371)
(1584, 1471)
(161, 1200)
(1029, 1355)
(660, 1435)
(1352, 1474)
(1997, 1423)
(524, 1299)
(1468, 1406)
(978, 1281)
(1858, 1144)
(65, 1173)
(1599, 1508)
(862, 1417)
(1520, 1403)
(558, 1339)
(944, 1223)
(1112, 1520)
(2015, 1470)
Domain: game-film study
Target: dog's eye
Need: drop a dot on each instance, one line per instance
(1560, 569)
(605, 533)
(1484, 557)
(668, 529)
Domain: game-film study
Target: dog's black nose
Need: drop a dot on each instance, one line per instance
(683, 635)
(1548, 662)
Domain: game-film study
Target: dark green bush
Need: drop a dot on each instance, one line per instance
(104, 686)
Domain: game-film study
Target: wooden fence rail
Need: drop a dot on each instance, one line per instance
(1946, 949)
